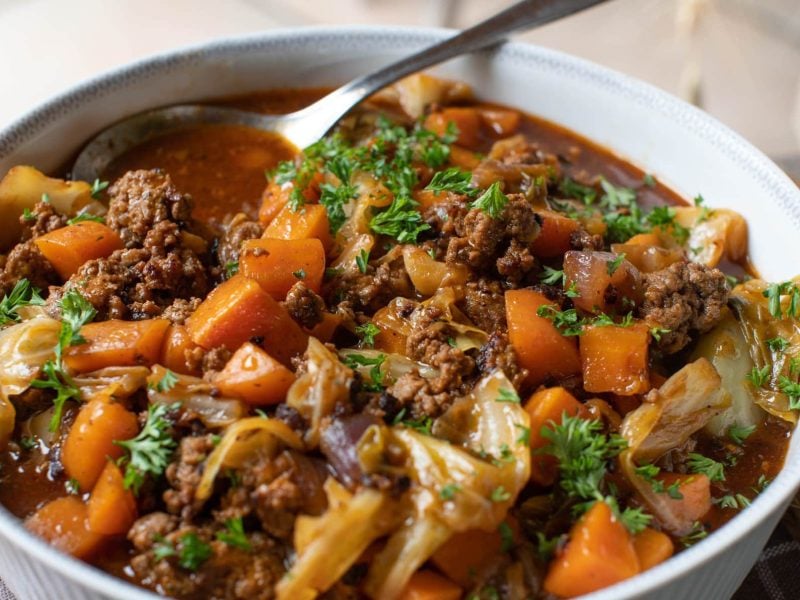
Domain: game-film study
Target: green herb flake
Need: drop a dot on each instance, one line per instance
(499, 494)
(299, 274)
(778, 344)
(507, 395)
(231, 269)
(551, 276)
(234, 534)
(85, 216)
(97, 188)
(367, 333)
(452, 180)
(362, 260)
(758, 377)
(493, 201)
(506, 537)
(193, 552)
(23, 294)
(709, 467)
(449, 491)
(150, 451)
(613, 265)
(738, 434)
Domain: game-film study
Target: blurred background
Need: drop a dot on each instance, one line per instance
(738, 59)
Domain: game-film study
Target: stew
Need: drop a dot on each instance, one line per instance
(449, 351)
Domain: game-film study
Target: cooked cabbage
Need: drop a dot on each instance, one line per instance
(429, 275)
(416, 92)
(112, 383)
(24, 348)
(197, 396)
(713, 234)
(316, 392)
(684, 404)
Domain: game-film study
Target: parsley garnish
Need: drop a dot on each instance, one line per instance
(452, 180)
(500, 494)
(367, 333)
(582, 451)
(27, 215)
(150, 451)
(568, 322)
(649, 180)
(657, 332)
(649, 472)
(791, 389)
(448, 492)
(613, 265)
(23, 294)
(85, 216)
(546, 548)
(739, 434)
(758, 377)
(733, 501)
(28, 442)
(697, 533)
(231, 269)
(362, 260)
(300, 274)
(234, 534)
(193, 552)
(162, 548)
(72, 487)
(573, 189)
(524, 438)
(423, 424)
(493, 201)
(401, 220)
(506, 537)
(506, 395)
(97, 187)
(166, 383)
(777, 344)
(774, 292)
(664, 216)
(709, 467)
(376, 376)
(551, 276)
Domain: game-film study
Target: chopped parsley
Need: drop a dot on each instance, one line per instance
(299, 274)
(422, 425)
(572, 189)
(778, 344)
(72, 487)
(452, 180)
(507, 395)
(739, 434)
(613, 265)
(367, 333)
(23, 294)
(27, 215)
(449, 491)
(758, 377)
(774, 292)
(166, 383)
(493, 201)
(401, 220)
(500, 494)
(649, 180)
(697, 533)
(234, 534)
(657, 332)
(664, 217)
(354, 361)
(551, 276)
(28, 442)
(568, 322)
(733, 501)
(162, 548)
(150, 451)
(193, 552)
(649, 472)
(362, 260)
(98, 187)
(709, 467)
(524, 438)
(231, 269)
(506, 537)
(791, 389)
(85, 216)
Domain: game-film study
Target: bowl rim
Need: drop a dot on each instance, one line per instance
(776, 183)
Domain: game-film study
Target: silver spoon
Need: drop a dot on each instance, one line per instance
(308, 125)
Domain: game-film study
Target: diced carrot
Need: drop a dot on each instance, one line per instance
(695, 492)
(278, 264)
(90, 441)
(502, 121)
(462, 557)
(652, 547)
(427, 585)
(324, 330)
(539, 346)
(177, 343)
(467, 121)
(599, 553)
(112, 508)
(614, 359)
(553, 238)
(239, 310)
(546, 406)
(310, 221)
(461, 157)
(254, 376)
(644, 239)
(117, 343)
(68, 248)
(273, 199)
(63, 523)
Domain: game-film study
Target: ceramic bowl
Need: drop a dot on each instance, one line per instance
(682, 146)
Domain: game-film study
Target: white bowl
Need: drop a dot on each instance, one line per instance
(682, 146)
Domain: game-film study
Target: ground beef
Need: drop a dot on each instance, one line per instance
(276, 490)
(238, 231)
(139, 283)
(580, 239)
(180, 310)
(429, 343)
(150, 528)
(42, 219)
(484, 304)
(372, 290)
(497, 246)
(685, 298)
(139, 200)
(305, 307)
(230, 573)
(215, 359)
(497, 353)
(184, 474)
(25, 261)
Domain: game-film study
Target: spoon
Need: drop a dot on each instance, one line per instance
(306, 126)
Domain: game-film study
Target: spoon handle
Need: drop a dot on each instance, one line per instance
(521, 15)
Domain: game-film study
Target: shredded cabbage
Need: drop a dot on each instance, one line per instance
(24, 348)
